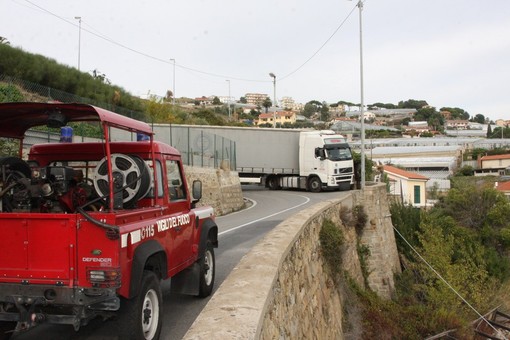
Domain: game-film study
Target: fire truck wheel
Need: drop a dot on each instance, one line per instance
(6, 328)
(207, 271)
(140, 317)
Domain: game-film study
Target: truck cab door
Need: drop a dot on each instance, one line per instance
(180, 219)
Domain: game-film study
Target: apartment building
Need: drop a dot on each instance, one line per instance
(255, 98)
(280, 117)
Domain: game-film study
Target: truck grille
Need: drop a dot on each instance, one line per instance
(343, 171)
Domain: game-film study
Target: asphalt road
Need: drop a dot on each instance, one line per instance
(238, 232)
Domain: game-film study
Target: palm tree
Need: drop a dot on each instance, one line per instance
(267, 103)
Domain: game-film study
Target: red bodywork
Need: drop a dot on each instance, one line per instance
(50, 248)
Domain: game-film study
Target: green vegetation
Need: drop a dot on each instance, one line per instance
(332, 240)
(466, 239)
(45, 79)
(360, 219)
(369, 165)
(10, 93)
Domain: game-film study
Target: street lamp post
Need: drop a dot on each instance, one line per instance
(362, 104)
(272, 75)
(79, 40)
(173, 90)
(228, 99)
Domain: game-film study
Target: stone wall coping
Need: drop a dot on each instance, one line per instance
(237, 308)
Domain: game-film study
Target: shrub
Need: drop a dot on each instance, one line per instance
(360, 218)
(10, 93)
(331, 240)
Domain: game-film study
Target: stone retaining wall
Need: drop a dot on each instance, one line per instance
(281, 289)
(221, 189)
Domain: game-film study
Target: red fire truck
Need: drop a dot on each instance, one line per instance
(89, 229)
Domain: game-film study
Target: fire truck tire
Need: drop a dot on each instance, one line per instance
(141, 316)
(207, 271)
(6, 329)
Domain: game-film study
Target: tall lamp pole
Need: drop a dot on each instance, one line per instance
(272, 75)
(173, 94)
(79, 40)
(362, 104)
(228, 100)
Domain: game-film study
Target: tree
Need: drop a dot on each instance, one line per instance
(345, 103)
(456, 113)
(159, 112)
(423, 114)
(369, 165)
(489, 131)
(243, 100)
(431, 116)
(412, 104)
(466, 170)
(479, 118)
(267, 103)
(325, 116)
(4, 41)
(499, 132)
(459, 257)
(310, 109)
(436, 120)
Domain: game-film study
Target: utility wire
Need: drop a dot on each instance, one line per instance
(322, 46)
(112, 41)
(447, 284)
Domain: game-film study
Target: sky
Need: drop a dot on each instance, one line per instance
(451, 53)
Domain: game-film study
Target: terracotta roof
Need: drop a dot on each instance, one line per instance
(403, 173)
(493, 157)
(503, 186)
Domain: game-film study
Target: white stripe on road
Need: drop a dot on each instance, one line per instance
(265, 217)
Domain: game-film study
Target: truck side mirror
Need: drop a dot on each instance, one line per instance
(196, 190)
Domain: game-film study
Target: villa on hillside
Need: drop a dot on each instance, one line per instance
(407, 186)
(493, 165)
(280, 117)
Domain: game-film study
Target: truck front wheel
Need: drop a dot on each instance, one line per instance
(207, 271)
(315, 184)
(140, 317)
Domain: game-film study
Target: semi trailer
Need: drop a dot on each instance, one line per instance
(312, 160)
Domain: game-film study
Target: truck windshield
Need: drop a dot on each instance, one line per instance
(338, 154)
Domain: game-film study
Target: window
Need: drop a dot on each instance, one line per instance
(159, 173)
(175, 181)
(417, 194)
